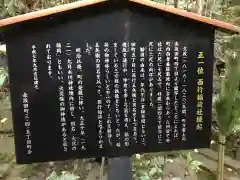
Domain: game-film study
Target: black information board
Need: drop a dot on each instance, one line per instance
(108, 81)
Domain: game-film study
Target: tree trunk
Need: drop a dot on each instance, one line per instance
(213, 6)
(238, 154)
(225, 3)
(199, 7)
(102, 168)
(176, 3)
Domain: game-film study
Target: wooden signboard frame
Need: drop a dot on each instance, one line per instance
(120, 168)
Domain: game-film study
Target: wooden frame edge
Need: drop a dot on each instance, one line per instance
(190, 15)
(46, 12)
(82, 3)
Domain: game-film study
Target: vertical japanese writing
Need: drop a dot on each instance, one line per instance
(200, 82)
(61, 97)
(88, 49)
(71, 95)
(134, 92)
(70, 81)
(35, 68)
(27, 123)
(125, 91)
(168, 92)
(184, 93)
(99, 94)
(176, 90)
(80, 98)
(107, 92)
(117, 95)
(63, 118)
(49, 59)
(142, 97)
(150, 73)
(59, 62)
(159, 94)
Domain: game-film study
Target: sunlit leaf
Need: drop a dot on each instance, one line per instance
(189, 158)
(3, 79)
(3, 49)
(4, 120)
(65, 176)
(153, 171)
(195, 165)
(176, 178)
(144, 178)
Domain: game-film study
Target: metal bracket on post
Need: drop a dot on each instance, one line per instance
(120, 168)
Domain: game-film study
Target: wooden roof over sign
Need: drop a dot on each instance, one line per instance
(62, 8)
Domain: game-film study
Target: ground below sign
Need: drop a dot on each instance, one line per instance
(113, 83)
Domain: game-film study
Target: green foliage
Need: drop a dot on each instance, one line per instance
(228, 113)
(160, 1)
(3, 49)
(29, 170)
(63, 176)
(6, 158)
(147, 166)
(176, 178)
(235, 10)
(15, 7)
(228, 103)
(3, 76)
(193, 164)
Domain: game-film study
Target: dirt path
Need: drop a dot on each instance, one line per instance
(87, 170)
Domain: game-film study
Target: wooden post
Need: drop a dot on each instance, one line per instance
(120, 168)
(221, 139)
(220, 169)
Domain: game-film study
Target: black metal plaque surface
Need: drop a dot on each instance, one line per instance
(109, 81)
